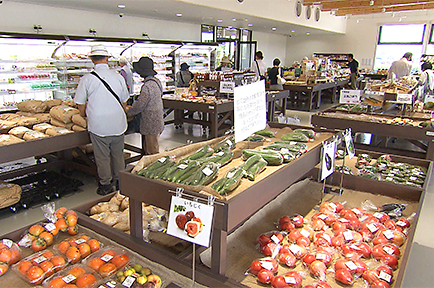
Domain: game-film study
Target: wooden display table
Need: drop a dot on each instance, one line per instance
(309, 93)
(276, 102)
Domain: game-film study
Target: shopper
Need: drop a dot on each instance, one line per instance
(225, 65)
(184, 76)
(127, 74)
(150, 105)
(353, 64)
(401, 67)
(102, 96)
(273, 75)
(259, 66)
(426, 81)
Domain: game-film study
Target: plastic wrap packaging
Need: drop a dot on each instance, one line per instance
(8, 116)
(34, 135)
(9, 194)
(19, 131)
(10, 254)
(8, 124)
(27, 121)
(58, 123)
(108, 261)
(79, 120)
(42, 127)
(77, 248)
(57, 131)
(53, 102)
(77, 275)
(39, 236)
(137, 275)
(78, 128)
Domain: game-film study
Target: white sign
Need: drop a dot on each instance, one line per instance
(349, 145)
(373, 93)
(404, 98)
(350, 96)
(250, 109)
(190, 221)
(328, 159)
(227, 86)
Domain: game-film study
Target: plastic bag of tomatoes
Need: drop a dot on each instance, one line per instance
(36, 267)
(108, 261)
(77, 248)
(10, 254)
(39, 236)
(64, 219)
(77, 276)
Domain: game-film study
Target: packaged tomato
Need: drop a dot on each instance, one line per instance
(78, 247)
(10, 252)
(136, 274)
(78, 275)
(108, 261)
(36, 267)
(64, 219)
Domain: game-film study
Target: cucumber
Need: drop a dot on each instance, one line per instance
(204, 175)
(272, 157)
(182, 168)
(226, 144)
(205, 151)
(300, 145)
(257, 168)
(308, 132)
(298, 137)
(255, 138)
(288, 155)
(229, 182)
(172, 169)
(265, 133)
(278, 146)
(188, 173)
(221, 158)
(218, 185)
(154, 165)
(157, 173)
(250, 161)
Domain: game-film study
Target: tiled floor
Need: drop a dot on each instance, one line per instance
(418, 273)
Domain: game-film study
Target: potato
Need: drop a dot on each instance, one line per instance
(111, 219)
(122, 226)
(125, 203)
(95, 209)
(115, 201)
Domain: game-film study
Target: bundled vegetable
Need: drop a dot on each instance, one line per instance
(205, 151)
(204, 175)
(256, 138)
(226, 144)
(265, 133)
(298, 137)
(272, 157)
(286, 152)
(229, 182)
(220, 158)
(308, 132)
(157, 164)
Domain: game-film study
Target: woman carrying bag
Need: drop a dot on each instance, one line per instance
(275, 76)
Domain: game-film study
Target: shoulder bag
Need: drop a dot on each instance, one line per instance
(108, 87)
(280, 80)
(261, 77)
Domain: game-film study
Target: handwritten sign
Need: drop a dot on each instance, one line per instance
(227, 86)
(250, 109)
(349, 145)
(190, 221)
(404, 98)
(350, 96)
(328, 159)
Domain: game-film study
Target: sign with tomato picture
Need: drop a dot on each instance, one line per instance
(190, 221)
(328, 159)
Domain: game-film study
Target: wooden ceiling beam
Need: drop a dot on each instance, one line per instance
(327, 6)
(370, 10)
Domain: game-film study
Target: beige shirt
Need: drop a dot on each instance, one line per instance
(399, 69)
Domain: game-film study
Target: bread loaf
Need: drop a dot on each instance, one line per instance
(63, 113)
(61, 124)
(79, 120)
(34, 135)
(19, 131)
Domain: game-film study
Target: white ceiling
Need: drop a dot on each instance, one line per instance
(167, 10)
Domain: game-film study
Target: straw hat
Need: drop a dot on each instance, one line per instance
(98, 50)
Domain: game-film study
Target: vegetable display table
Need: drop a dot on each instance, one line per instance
(276, 102)
(312, 93)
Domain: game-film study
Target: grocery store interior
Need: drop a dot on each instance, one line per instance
(317, 36)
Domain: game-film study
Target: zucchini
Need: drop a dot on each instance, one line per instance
(221, 158)
(254, 170)
(205, 151)
(231, 181)
(157, 173)
(154, 165)
(272, 157)
(226, 144)
(206, 173)
(256, 138)
(298, 137)
(308, 132)
(182, 167)
(265, 133)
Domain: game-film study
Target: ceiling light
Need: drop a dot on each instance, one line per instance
(178, 14)
(250, 24)
(307, 33)
(292, 31)
(371, 2)
(274, 28)
(230, 27)
(219, 20)
(234, 19)
(121, 6)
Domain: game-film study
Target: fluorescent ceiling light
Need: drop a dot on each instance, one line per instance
(292, 31)
(178, 14)
(250, 24)
(219, 20)
(274, 28)
(307, 33)
(121, 6)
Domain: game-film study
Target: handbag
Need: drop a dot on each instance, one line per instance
(280, 80)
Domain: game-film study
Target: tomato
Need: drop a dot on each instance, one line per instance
(60, 212)
(265, 276)
(23, 266)
(38, 245)
(380, 284)
(77, 271)
(5, 255)
(56, 283)
(70, 212)
(255, 267)
(47, 236)
(120, 260)
(35, 275)
(84, 237)
(71, 219)
(58, 262)
(61, 224)
(47, 267)
(303, 241)
(264, 239)
(279, 282)
(69, 286)
(94, 245)
(370, 276)
(36, 229)
(84, 249)
(390, 260)
(3, 268)
(85, 281)
(95, 263)
(73, 254)
(109, 252)
(107, 269)
(63, 246)
(16, 255)
(73, 230)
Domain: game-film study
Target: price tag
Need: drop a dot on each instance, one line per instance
(320, 256)
(378, 215)
(79, 241)
(322, 216)
(207, 171)
(429, 98)
(106, 258)
(229, 142)
(8, 243)
(388, 250)
(333, 205)
(413, 178)
(351, 265)
(162, 159)
(348, 235)
(327, 237)
(305, 233)
(267, 265)
(275, 239)
(429, 133)
(68, 278)
(350, 96)
(129, 281)
(230, 175)
(227, 86)
(343, 220)
(284, 150)
(293, 143)
(404, 98)
(294, 249)
(111, 284)
(40, 259)
(221, 153)
(401, 223)
(50, 227)
(372, 228)
(384, 276)
(356, 211)
(182, 166)
(290, 280)
(388, 234)
(363, 218)
(389, 178)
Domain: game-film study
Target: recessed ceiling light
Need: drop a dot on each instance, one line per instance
(250, 24)
(274, 28)
(178, 14)
(241, 28)
(219, 20)
(308, 33)
(121, 6)
(234, 19)
(230, 27)
(292, 31)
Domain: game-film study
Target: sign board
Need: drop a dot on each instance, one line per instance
(190, 221)
(404, 98)
(250, 109)
(328, 159)
(374, 98)
(349, 145)
(350, 96)
(227, 86)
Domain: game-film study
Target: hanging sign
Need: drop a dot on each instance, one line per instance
(250, 109)
(328, 159)
(227, 86)
(190, 221)
(350, 96)
(349, 144)
(404, 98)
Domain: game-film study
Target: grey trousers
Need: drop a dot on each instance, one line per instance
(109, 157)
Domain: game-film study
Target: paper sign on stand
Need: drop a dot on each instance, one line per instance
(404, 98)
(196, 217)
(250, 109)
(350, 96)
(227, 86)
(328, 159)
(349, 144)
